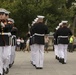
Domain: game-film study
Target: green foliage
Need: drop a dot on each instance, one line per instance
(25, 11)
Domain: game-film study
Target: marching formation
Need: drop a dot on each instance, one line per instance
(7, 41)
(61, 41)
(37, 33)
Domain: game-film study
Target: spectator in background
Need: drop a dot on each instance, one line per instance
(74, 43)
(22, 44)
(71, 40)
(18, 44)
(46, 43)
(27, 47)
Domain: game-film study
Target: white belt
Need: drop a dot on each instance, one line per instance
(62, 36)
(5, 34)
(38, 34)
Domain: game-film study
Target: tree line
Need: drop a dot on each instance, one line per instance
(25, 11)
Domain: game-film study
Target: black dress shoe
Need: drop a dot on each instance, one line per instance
(55, 57)
(7, 71)
(37, 67)
(3, 71)
(10, 65)
(0, 73)
(60, 60)
(41, 67)
(64, 63)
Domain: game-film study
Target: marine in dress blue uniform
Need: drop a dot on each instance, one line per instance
(2, 15)
(39, 30)
(33, 54)
(14, 31)
(55, 45)
(55, 42)
(62, 35)
(4, 39)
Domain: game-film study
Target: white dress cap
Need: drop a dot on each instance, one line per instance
(10, 19)
(40, 16)
(7, 12)
(2, 10)
(64, 21)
